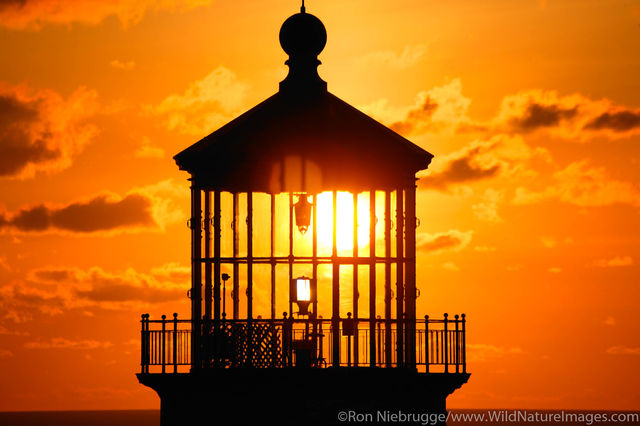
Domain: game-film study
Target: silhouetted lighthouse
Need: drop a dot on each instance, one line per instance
(308, 207)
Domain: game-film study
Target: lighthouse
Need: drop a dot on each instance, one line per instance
(303, 268)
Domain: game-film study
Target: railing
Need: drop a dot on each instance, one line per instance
(166, 344)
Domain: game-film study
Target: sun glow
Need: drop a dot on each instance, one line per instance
(344, 221)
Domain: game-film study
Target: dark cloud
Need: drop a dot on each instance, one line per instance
(618, 121)
(450, 240)
(460, 170)
(54, 291)
(16, 4)
(101, 213)
(54, 275)
(17, 146)
(416, 117)
(126, 292)
(536, 116)
(41, 131)
(96, 285)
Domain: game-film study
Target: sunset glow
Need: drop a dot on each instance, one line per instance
(344, 227)
(528, 215)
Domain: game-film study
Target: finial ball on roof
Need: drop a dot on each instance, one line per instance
(303, 34)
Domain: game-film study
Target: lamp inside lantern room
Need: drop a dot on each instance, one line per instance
(303, 213)
(303, 292)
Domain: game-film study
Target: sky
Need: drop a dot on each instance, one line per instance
(529, 213)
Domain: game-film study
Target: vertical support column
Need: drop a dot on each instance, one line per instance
(207, 256)
(356, 294)
(314, 248)
(196, 276)
(236, 266)
(387, 278)
(314, 274)
(410, 276)
(217, 234)
(249, 255)
(335, 305)
(400, 277)
(290, 250)
(273, 253)
(372, 278)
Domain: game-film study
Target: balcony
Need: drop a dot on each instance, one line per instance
(167, 345)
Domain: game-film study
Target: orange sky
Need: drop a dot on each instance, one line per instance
(529, 213)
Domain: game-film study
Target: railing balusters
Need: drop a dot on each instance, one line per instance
(163, 342)
(379, 345)
(457, 348)
(464, 344)
(168, 348)
(175, 342)
(446, 343)
(426, 342)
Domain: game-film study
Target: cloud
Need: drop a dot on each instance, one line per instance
(205, 105)
(147, 150)
(623, 350)
(442, 241)
(438, 110)
(5, 353)
(168, 199)
(409, 56)
(615, 262)
(479, 352)
(450, 266)
(3, 261)
(122, 65)
(33, 14)
(487, 209)
(63, 343)
(172, 271)
(150, 207)
(574, 117)
(481, 159)
(55, 290)
(485, 249)
(99, 286)
(41, 131)
(617, 121)
(101, 213)
(582, 185)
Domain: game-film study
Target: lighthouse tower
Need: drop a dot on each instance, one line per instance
(303, 256)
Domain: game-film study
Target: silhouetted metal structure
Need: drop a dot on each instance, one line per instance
(261, 187)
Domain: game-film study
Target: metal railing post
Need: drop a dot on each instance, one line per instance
(163, 342)
(286, 339)
(446, 343)
(175, 342)
(379, 346)
(143, 345)
(464, 344)
(426, 342)
(321, 345)
(457, 348)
